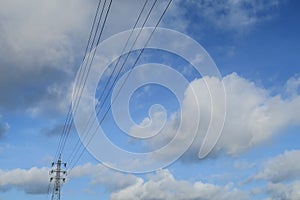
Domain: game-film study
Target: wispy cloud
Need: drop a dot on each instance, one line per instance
(282, 175)
(293, 86)
(237, 15)
(284, 167)
(278, 191)
(101, 175)
(55, 130)
(3, 127)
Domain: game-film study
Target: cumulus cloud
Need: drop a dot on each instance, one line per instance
(253, 116)
(31, 181)
(37, 33)
(42, 43)
(36, 180)
(160, 185)
(283, 167)
(42, 46)
(38, 52)
(163, 186)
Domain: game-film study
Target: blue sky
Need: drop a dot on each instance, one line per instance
(255, 45)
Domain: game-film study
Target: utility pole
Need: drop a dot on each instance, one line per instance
(58, 175)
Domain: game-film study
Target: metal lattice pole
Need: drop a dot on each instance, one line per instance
(58, 176)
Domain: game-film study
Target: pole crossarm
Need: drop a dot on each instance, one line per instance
(58, 176)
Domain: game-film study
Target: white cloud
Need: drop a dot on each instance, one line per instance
(36, 180)
(124, 14)
(283, 167)
(175, 17)
(42, 43)
(292, 86)
(52, 32)
(236, 14)
(282, 174)
(163, 186)
(279, 191)
(32, 181)
(36, 33)
(108, 178)
(253, 116)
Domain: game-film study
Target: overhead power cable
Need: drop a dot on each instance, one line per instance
(128, 74)
(86, 69)
(68, 120)
(87, 127)
(83, 76)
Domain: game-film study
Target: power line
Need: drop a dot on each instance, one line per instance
(86, 69)
(94, 39)
(76, 149)
(91, 61)
(59, 174)
(122, 85)
(126, 58)
(88, 130)
(69, 114)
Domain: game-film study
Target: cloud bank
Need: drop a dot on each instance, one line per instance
(31, 181)
(40, 42)
(163, 186)
(253, 116)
